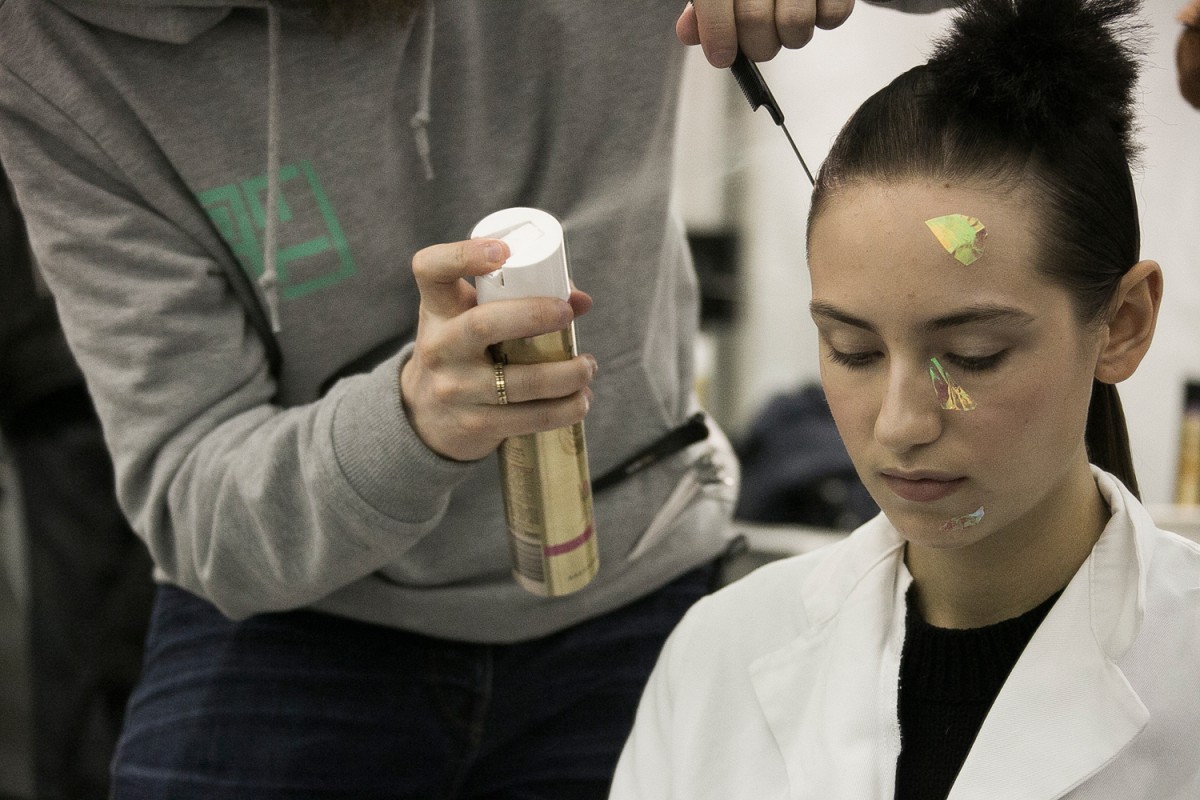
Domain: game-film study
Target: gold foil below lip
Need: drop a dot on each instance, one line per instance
(964, 522)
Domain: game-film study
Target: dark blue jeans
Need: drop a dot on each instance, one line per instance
(307, 705)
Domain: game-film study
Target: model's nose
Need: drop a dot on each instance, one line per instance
(911, 412)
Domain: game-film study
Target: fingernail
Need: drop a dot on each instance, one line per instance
(721, 58)
(592, 361)
(494, 252)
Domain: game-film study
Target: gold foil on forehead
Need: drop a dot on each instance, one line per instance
(952, 396)
(962, 236)
(964, 522)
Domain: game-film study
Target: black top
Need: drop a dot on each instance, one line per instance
(948, 681)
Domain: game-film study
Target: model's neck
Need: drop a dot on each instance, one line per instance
(1012, 570)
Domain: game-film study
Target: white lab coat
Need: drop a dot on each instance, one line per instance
(784, 685)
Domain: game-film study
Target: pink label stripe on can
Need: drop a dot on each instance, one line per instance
(566, 547)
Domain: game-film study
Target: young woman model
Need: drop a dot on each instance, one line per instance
(1013, 625)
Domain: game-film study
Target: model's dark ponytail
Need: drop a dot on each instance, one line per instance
(1107, 437)
(1033, 94)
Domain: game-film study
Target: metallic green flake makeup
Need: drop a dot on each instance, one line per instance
(962, 236)
(952, 396)
(964, 522)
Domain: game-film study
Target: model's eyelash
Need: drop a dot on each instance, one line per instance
(977, 363)
(853, 360)
(968, 363)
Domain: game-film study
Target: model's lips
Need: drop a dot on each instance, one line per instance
(922, 487)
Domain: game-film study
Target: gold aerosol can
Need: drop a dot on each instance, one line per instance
(544, 476)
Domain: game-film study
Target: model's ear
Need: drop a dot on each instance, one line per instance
(1130, 326)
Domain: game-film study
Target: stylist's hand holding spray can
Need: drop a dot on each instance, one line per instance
(463, 406)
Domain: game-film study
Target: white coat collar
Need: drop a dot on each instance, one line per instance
(830, 695)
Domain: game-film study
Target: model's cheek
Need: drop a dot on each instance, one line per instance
(1020, 423)
(851, 411)
(1048, 399)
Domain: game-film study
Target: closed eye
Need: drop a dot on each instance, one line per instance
(977, 363)
(853, 360)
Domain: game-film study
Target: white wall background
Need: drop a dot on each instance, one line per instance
(736, 169)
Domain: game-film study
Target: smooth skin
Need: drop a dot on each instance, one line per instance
(887, 298)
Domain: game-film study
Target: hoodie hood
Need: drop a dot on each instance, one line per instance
(181, 21)
(169, 21)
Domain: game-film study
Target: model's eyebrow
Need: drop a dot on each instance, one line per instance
(985, 314)
(981, 315)
(819, 308)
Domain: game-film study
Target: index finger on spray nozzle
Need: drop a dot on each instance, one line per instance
(537, 264)
(444, 264)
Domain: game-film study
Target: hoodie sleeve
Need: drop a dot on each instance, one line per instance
(250, 505)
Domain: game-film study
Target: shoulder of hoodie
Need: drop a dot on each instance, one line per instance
(167, 21)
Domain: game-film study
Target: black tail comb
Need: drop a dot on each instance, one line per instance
(746, 73)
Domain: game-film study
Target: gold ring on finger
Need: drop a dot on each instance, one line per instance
(501, 385)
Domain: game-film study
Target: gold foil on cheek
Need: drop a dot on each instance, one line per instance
(962, 236)
(952, 396)
(964, 522)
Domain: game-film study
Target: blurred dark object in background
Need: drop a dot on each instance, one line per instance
(715, 256)
(795, 469)
(1187, 53)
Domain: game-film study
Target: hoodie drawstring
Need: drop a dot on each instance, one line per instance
(419, 122)
(268, 282)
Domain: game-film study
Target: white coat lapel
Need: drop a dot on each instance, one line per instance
(829, 697)
(1066, 709)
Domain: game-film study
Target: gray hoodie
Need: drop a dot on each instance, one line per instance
(273, 470)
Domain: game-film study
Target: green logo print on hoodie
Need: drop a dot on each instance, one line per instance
(313, 253)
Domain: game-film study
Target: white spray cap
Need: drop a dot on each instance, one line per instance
(537, 266)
